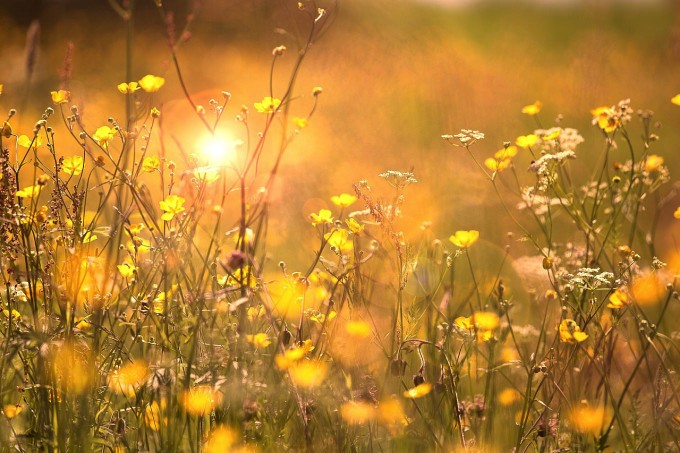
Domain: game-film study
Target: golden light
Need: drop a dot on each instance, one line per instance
(218, 149)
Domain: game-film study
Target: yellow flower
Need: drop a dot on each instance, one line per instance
(556, 132)
(618, 299)
(259, 340)
(358, 329)
(676, 99)
(532, 109)
(570, 332)
(338, 239)
(26, 142)
(11, 410)
(29, 192)
(151, 83)
(152, 415)
(486, 320)
(647, 289)
(1, 87)
(103, 135)
(127, 270)
(220, 441)
(508, 396)
(268, 105)
(129, 377)
(155, 113)
(506, 153)
(496, 165)
(464, 322)
(255, 313)
(357, 412)
(324, 216)
(605, 118)
(172, 206)
(128, 88)
(291, 356)
(354, 226)
(676, 214)
(300, 123)
(150, 164)
(587, 419)
(343, 200)
(308, 373)
(526, 141)
(319, 317)
(200, 400)
(418, 391)
(464, 239)
(73, 165)
(15, 315)
(653, 162)
(60, 97)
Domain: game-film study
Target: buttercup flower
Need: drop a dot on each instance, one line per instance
(268, 105)
(103, 135)
(72, 165)
(570, 332)
(128, 88)
(324, 216)
(464, 239)
(60, 97)
(172, 206)
(343, 200)
(151, 83)
(532, 109)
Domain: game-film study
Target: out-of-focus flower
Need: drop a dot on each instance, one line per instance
(151, 83)
(150, 164)
(588, 419)
(605, 118)
(172, 205)
(618, 299)
(676, 99)
(418, 391)
(220, 441)
(357, 412)
(358, 329)
(300, 123)
(129, 377)
(200, 400)
(532, 109)
(343, 200)
(496, 164)
(653, 162)
(26, 142)
(259, 340)
(308, 373)
(60, 96)
(526, 141)
(464, 238)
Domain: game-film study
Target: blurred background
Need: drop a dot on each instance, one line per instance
(396, 75)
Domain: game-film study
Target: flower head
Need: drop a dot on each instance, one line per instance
(150, 164)
(343, 200)
(526, 141)
(72, 165)
(151, 83)
(103, 135)
(570, 332)
(268, 105)
(324, 216)
(418, 391)
(676, 99)
(60, 97)
(172, 206)
(200, 400)
(128, 88)
(532, 109)
(464, 239)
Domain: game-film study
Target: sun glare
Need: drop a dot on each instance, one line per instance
(219, 149)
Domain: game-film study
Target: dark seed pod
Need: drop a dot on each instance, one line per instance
(418, 379)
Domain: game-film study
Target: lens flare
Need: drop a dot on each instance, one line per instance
(218, 149)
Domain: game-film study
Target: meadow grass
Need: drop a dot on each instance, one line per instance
(144, 309)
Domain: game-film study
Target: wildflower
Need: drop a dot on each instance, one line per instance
(354, 226)
(486, 320)
(532, 109)
(506, 153)
(60, 97)
(268, 105)
(73, 165)
(418, 391)
(308, 373)
(496, 165)
(647, 289)
(391, 412)
(337, 239)
(508, 396)
(200, 400)
(221, 439)
(398, 179)
(82, 324)
(291, 356)
(676, 214)
(88, 236)
(324, 216)
(464, 239)
(255, 313)
(357, 412)
(127, 270)
(128, 88)
(103, 135)
(129, 377)
(155, 113)
(675, 99)
(259, 340)
(551, 134)
(317, 91)
(570, 332)
(319, 317)
(29, 192)
(358, 329)
(13, 315)
(11, 410)
(150, 164)
(26, 142)
(464, 323)
(605, 118)
(300, 123)
(618, 299)
(151, 83)
(152, 415)
(526, 141)
(588, 419)
(171, 206)
(343, 200)
(466, 137)
(653, 162)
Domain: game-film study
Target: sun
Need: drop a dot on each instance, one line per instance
(218, 149)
